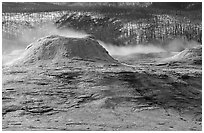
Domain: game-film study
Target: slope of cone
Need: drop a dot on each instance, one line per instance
(58, 48)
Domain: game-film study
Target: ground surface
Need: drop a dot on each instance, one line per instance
(83, 95)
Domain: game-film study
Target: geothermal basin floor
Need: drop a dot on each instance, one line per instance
(84, 95)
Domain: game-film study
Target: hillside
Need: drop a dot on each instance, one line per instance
(57, 48)
(123, 23)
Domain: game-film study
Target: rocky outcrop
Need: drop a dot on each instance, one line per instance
(59, 48)
(189, 56)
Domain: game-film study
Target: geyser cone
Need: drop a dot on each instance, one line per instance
(189, 55)
(58, 48)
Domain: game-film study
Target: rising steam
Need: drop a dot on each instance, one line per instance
(31, 35)
(180, 44)
(126, 50)
(13, 48)
(176, 45)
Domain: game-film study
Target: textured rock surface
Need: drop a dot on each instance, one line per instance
(189, 56)
(67, 88)
(84, 95)
(57, 48)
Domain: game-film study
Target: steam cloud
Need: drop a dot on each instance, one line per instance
(126, 50)
(31, 35)
(12, 49)
(180, 44)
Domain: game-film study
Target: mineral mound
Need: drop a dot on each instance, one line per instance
(189, 55)
(58, 48)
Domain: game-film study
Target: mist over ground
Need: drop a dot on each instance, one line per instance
(30, 35)
(102, 66)
(13, 48)
(126, 50)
